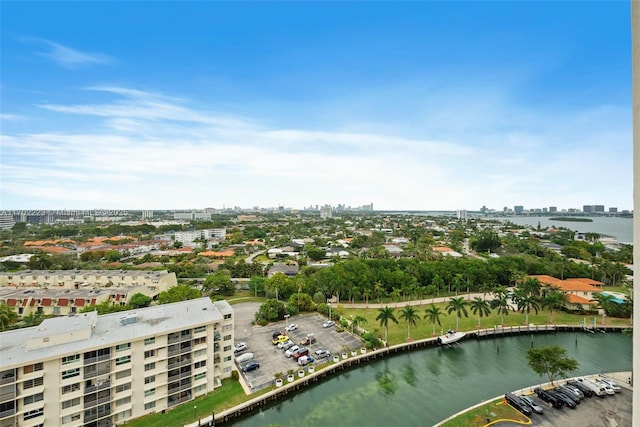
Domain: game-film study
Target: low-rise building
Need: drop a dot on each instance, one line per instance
(90, 370)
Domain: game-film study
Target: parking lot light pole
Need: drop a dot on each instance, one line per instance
(286, 321)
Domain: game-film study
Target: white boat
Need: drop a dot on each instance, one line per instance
(450, 337)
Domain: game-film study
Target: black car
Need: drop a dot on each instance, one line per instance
(517, 403)
(276, 334)
(583, 388)
(548, 397)
(566, 399)
(251, 366)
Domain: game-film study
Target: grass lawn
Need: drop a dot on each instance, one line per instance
(424, 329)
(495, 410)
(225, 397)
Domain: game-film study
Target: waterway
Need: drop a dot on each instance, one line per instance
(619, 227)
(424, 387)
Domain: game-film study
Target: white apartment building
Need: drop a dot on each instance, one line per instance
(90, 370)
(188, 237)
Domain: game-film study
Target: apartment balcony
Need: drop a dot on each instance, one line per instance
(97, 359)
(7, 413)
(177, 389)
(96, 402)
(100, 386)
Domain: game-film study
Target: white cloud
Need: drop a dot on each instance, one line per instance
(71, 58)
(153, 151)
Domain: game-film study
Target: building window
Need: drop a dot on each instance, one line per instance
(122, 360)
(226, 369)
(227, 359)
(70, 373)
(33, 414)
(149, 341)
(149, 405)
(70, 359)
(123, 415)
(227, 337)
(200, 376)
(70, 418)
(69, 403)
(149, 353)
(70, 388)
(32, 368)
(123, 401)
(149, 380)
(150, 366)
(123, 374)
(227, 348)
(32, 399)
(202, 352)
(32, 383)
(200, 364)
(123, 387)
(150, 392)
(200, 329)
(227, 316)
(123, 347)
(226, 328)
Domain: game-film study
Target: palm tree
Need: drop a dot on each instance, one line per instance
(433, 313)
(384, 315)
(8, 316)
(32, 319)
(526, 302)
(459, 305)
(480, 307)
(367, 294)
(555, 299)
(501, 302)
(358, 320)
(411, 315)
(395, 295)
(531, 286)
(604, 302)
(378, 290)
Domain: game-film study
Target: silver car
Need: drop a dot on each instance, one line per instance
(532, 404)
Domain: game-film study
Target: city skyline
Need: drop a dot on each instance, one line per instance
(411, 106)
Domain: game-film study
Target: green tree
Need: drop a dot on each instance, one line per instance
(604, 303)
(480, 307)
(433, 313)
(220, 281)
(302, 301)
(358, 320)
(551, 361)
(8, 317)
(554, 300)
(178, 293)
(500, 303)
(32, 319)
(459, 306)
(384, 316)
(139, 300)
(526, 302)
(272, 310)
(411, 316)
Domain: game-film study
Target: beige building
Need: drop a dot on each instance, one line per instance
(90, 370)
(64, 292)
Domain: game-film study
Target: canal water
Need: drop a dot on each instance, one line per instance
(424, 387)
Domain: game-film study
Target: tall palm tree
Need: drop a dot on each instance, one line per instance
(459, 305)
(378, 290)
(531, 286)
(384, 315)
(433, 313)
(480, 307)
(367, 294)
(395, 295)
(554, 299)
(411, 315)
(358, 320)
(8, 317)
(526, 302)
(604, 302)
(32, 319)
(500, 302)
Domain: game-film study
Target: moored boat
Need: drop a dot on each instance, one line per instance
(450, 337)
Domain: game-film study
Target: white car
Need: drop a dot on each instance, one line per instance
(238, 347)
(283, 344)
(610, 383)
(291, 327)
(328, 324)
(291, 350)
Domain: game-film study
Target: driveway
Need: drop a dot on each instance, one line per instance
(272, 359)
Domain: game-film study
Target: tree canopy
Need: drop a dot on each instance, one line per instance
(551, 361)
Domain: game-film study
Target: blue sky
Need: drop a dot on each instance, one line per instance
(406, 105)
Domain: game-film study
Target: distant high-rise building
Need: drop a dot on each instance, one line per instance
(544, 210)
(518, 209)
(147, 214)
(461, 214)
(326, 212)
(613, 210)
(598, 208)
(587, 208)
(553, 209)
(6, 222)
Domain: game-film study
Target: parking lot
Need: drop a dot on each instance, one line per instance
(271, 358)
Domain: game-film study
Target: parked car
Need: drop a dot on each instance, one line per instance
(584, 389)
(309, 339)
(611, 384)
(566, 399)
(305, 360)
(243, 358)
(598, 390)
(302, 351)
(276, 334)
(548, 397)
(569, 392)
(291, 327)
(532, 404)
(240, 346)
(251, 366)
(322, 353)
(282, 344)
(576, 390)
(286, 346)
(328, 323)
(517, 403)
(280, 339)
(291, 350)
